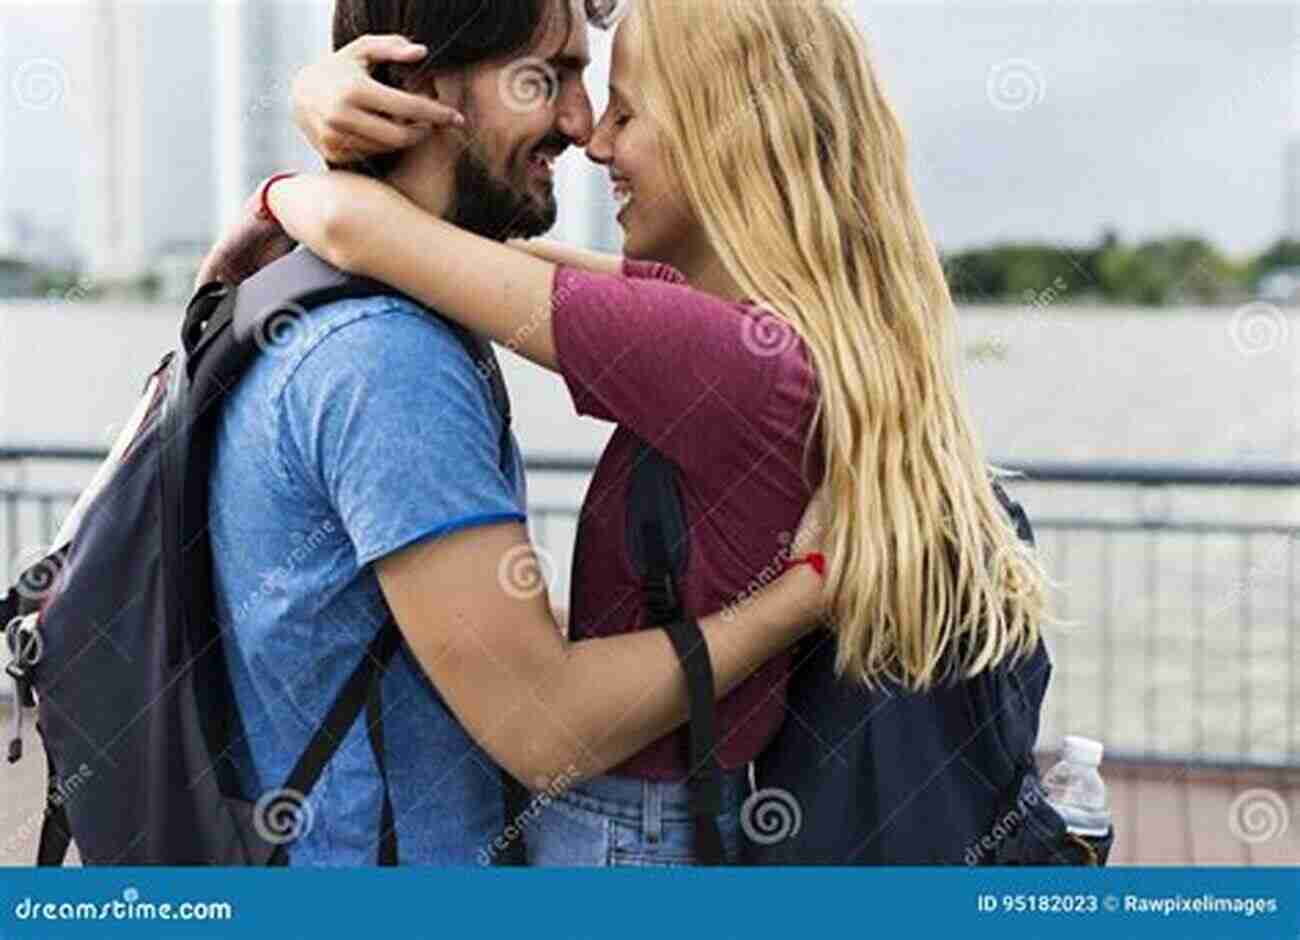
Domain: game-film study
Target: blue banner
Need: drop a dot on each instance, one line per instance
(1183, 903)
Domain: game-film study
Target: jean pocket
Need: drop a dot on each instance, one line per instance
(675, 847)
(568, 836)
(629, 847)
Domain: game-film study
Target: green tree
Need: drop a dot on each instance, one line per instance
(1283, 254)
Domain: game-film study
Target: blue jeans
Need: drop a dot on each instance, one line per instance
(616, 821)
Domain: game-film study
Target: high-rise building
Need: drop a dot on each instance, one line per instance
(1291, 187)
(112, 200)
(260, 46)
(5, 206)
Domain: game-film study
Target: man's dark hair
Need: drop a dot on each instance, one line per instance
(457, 33)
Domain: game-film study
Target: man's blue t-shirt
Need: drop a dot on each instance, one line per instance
(365, 430)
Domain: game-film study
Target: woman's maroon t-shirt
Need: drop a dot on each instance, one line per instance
(726, 392)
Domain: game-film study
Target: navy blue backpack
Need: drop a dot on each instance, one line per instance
(114, 633)
(863, 777)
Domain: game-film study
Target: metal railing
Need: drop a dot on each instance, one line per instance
(1175, 588)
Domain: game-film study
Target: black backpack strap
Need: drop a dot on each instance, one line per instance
(343, 714)
(705, 778)
(375, 727)
(1019, 518)
(658, 540)
(56, 830)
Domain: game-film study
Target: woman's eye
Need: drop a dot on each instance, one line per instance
(622, 119)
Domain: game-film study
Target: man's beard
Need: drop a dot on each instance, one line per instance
(488, 206)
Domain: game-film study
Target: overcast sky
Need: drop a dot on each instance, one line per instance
(1032, 120)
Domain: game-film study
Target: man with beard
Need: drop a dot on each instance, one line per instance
(370, 430)
(357, 480)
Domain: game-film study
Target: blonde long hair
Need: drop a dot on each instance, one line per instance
(793, 160)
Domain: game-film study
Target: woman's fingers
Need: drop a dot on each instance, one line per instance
(244, 250)
(375, 97)
(377, 49)
(375, 134)
(346, 114)
(812, 528)
(378, 98)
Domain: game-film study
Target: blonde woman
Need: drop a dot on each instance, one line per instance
(779, 318)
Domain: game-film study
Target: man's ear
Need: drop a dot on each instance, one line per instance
(450, 88)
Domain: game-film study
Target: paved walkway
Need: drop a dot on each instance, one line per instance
(1163, 815)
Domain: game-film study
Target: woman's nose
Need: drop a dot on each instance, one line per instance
(600, 150)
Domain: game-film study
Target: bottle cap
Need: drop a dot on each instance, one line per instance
(1082, 750)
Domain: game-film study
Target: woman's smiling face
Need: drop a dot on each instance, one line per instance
(657, 222)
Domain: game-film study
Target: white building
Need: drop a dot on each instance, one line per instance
(112, 186)
(260, 46)
(1291, 188)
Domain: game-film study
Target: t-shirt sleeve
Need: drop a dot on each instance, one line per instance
(389, 416)
(671, 363)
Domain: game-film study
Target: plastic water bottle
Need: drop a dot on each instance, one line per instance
(1075, 788)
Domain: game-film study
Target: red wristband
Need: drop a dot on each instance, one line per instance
(264, 191)
(814, 560)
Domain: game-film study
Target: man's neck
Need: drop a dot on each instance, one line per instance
(428, 179)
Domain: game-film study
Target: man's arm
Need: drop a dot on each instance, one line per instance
(543, 707)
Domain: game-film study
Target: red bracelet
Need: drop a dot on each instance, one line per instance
(815, 560)
(264, 191)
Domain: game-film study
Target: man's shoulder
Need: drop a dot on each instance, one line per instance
(390, 321)
(382, 337)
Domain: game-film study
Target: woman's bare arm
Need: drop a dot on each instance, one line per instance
(547, 249)
(367, 228)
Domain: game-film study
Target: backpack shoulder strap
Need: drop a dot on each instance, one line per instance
(225, 328)
(658, 540)
(1019, 518)
(657, 535)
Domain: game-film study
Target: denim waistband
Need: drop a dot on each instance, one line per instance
(631, 798)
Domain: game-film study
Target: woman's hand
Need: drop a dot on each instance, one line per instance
(347, 115)
(248, 246)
